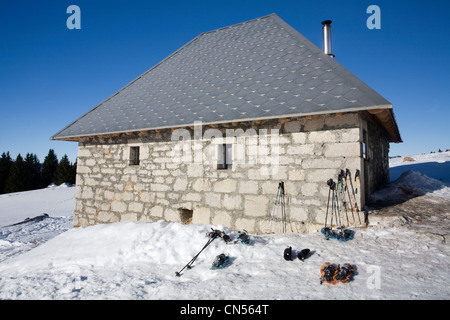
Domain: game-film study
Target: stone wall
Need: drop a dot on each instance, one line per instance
(376, 162)
(175, 175)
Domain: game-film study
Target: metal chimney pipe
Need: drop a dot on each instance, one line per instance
(327, 37)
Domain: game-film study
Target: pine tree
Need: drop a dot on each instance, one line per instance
(5, 167)
(48, 168)
(32, 171)
(17, 176)
(73, 172)
(63, 172)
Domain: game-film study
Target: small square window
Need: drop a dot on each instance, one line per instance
(225, 156)
(134, 156)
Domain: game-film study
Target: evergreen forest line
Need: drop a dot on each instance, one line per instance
(23, 174)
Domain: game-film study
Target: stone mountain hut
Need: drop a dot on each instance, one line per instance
(207, 135)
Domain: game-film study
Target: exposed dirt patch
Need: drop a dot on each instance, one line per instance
(427, 213)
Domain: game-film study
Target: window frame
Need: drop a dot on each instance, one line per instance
(225, 156)
(134, 159)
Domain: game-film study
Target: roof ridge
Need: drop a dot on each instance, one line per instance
(240, 23)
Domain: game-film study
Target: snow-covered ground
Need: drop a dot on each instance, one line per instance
(50, 260)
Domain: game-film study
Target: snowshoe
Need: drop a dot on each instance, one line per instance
(343, 235)
(220, 262)
(327, 232)
(243, 238)
(328, 273)
(346, 235)
(288, 254)
(344, 273)
(302, 255)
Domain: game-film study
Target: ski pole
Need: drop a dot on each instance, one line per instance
(283, 208)
(329, 183)
(333, 186)
(188, 265)
(275, 208)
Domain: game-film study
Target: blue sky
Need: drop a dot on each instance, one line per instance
(50, 75)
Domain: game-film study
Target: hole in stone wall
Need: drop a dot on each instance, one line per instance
(185, 215)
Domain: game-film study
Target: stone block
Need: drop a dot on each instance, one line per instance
(320, 175)
(322, 163)
(322, 136)
(118, 206)
(159, 187)
(135, 206)
(201, 215)
(213, 199)
(129, 216)
(348, 149)
(256, 206)
(222, 218)
(226, 186)
(156, 211)
(201, 185)
(248, 187)
(192, 197)
(297, 175)
(297, 213)
(195, 170)
(180, 184)
(309, 189)
(171, 215)
(245, 224)
(299, 137)
(87, 193)
(301, 149)
(349, 135)
(232, 202)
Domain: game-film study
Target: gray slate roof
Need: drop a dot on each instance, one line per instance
(259, 69)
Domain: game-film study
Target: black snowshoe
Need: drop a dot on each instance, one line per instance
(344, 272)
(340, 235)
(243, 238)
(288, 254)
(220, 262)
(302, 255)
(328, 273)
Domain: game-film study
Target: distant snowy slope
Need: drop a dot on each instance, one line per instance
(434, 165)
